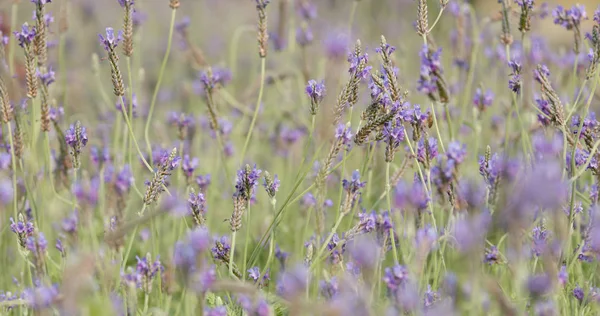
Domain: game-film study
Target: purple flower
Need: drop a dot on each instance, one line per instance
(413, 196)
(425, 239)
(37, 244)
(110, 42)
(545, 308)
(203, 181)
(23, 229)
(539, 285)
(545, 108)
(569, 18)
(470, 232)
(197, 204)
(329, 289)
(481, 100)
(597, 15)
(492, 255)
(181, 26)
(431, 68)
(344, 135)
(456, 152)
(246, 182)
(394, 134)
(123, 3)
(41, 2)
(292, 283)
(364, 252)
(427, 153)
(5, 159)
(578, 293)
(76, 137)
(316, 92)
(215, 311)
(304, 36)
(46, 78)
(271, 185)
(352, 186)
(26, 36)
(59, 246)
(336, 45)
(563, 276)
(515, 81)
(395, 277)
(221, 249)
(69, 223)
(188, 166)
(133, 103)
(40, 297)
(124, 180)
(307, 10)
(6, 191)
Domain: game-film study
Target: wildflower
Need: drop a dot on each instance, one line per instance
(539, 285)
(316, 92)
(431, 70)
(203, 181)
(492, 255)
(336, 44)
(133, 103)
(364, 252)
(470, 232)
(246, 182)
(329, 289)
(23, 229)
(215, 311)
(563, 276)
(395, 277)
(40, 297)
(26, 36)
(515, 81)
(483, 100)
(111, 41)
(292, 283)
(304, 35)
(271, 184)
(257, 306)
(197, 207)
(167, 163)
(578, 293)
(189, 165)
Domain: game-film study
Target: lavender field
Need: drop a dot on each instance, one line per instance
(299, 157)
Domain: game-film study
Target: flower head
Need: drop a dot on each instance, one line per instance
(111, 41)
(26, 36)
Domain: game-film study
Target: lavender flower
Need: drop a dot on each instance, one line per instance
(110, 42)
(246, 182)
(316, 92)
(353, 185)
(26, 36)
(481, 100)
(23, 229)
(515, 81)
(293, 282)
(569, 18)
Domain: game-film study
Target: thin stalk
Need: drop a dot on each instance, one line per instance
(130, 245)
(263, 62)
(271, 244)
(232, 252)
(13, 161)
(437, 19)
(437, 128)
(13, 26)
(158, 83)
(246, 241)
(388, 188)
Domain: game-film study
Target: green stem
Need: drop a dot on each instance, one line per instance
(14, 170)
(263, 62)
(246, 242)
(11, 48)
(132, 239)
(232, 252)
(388, 188)
(158, 83)
(437, 19)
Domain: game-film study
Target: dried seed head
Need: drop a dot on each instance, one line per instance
(263, 36)
(422, 21)
(7, 108)
(506, 38)
(128, 29)
(174, 4)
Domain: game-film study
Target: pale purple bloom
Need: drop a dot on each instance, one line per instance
(26, 36)
(111, 41)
